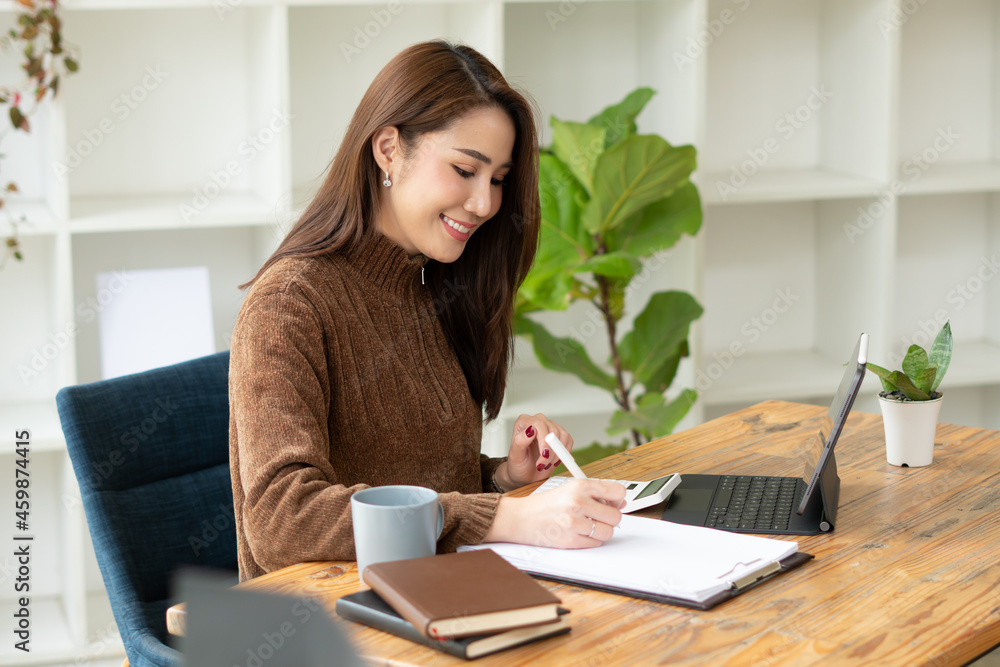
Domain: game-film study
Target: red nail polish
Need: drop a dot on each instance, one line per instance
(548, 466)
(540, 467)
(545, 453)
(530, 431)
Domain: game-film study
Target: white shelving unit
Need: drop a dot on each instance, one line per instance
(849, 156)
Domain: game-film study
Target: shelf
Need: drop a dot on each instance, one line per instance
(945, 178)
(753, 377)
(816, 98)
(974, 362)
(206, 119)
(50, 632)
(335, 51)
(717, 188)
(531, 391)
(40, 417)
(129, 214)
(946, 82)
(949, 275)
(51, 641)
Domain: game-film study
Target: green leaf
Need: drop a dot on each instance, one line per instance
(652, 415)
(924, 380)
(660, 225)
(665, 375)
(578, 146)
(70, 64)
(657, 333)
(884, 375)
(619, 119)
(630, 176)
(18, 120)
(907, 387)
(612, 265)
(941, 353)
(915, 361)
(565, 355)
(563, 243)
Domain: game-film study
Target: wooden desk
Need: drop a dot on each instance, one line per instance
(911, 576)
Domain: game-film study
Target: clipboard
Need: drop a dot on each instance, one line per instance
(649, 559)
(740, 586)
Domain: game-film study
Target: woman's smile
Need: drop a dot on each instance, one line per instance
(459, 230)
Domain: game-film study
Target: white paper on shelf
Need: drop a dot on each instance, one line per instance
(654, 556)
(153, 318)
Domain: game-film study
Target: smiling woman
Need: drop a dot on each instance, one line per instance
(373, 341)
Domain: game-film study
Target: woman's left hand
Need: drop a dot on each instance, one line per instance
(530, 458)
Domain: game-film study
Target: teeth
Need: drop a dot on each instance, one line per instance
(455, 225)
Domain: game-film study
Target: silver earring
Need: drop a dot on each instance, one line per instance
(386, 182)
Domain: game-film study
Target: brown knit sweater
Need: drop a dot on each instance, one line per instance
(341, 378)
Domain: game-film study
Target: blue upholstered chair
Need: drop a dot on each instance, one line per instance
(151, 454)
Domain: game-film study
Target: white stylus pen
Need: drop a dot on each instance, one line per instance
(565, 456)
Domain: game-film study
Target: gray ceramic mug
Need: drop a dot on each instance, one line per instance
(395, 522)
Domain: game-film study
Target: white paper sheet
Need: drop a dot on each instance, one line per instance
(153, 318)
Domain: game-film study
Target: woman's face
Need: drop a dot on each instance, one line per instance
(449, 185)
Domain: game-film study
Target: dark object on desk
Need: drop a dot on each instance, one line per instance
(367, 608)
(232, 626)
(151, 454)
(776, 505)
(462, 594)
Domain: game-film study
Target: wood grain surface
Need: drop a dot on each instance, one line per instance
(911, 575)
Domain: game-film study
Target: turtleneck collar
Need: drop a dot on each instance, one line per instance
(386, 265)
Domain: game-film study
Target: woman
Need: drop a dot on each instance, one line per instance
(372, 341)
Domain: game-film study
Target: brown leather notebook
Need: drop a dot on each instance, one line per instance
(462, 594)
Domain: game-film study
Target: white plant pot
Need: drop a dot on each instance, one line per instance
(910, 427)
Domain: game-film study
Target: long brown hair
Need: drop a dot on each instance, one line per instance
(426, 88)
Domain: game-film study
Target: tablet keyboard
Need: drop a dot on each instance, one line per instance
(746, 503)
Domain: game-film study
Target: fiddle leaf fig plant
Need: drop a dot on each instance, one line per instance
(922, 372)
(610, 198)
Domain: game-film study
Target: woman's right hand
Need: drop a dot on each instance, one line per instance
(579, 514)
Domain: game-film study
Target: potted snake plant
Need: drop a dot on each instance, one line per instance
(911, 402)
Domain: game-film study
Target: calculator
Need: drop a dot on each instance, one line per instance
(638, 495)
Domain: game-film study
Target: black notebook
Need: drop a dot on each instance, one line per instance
(777, 505)
(367, 608)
